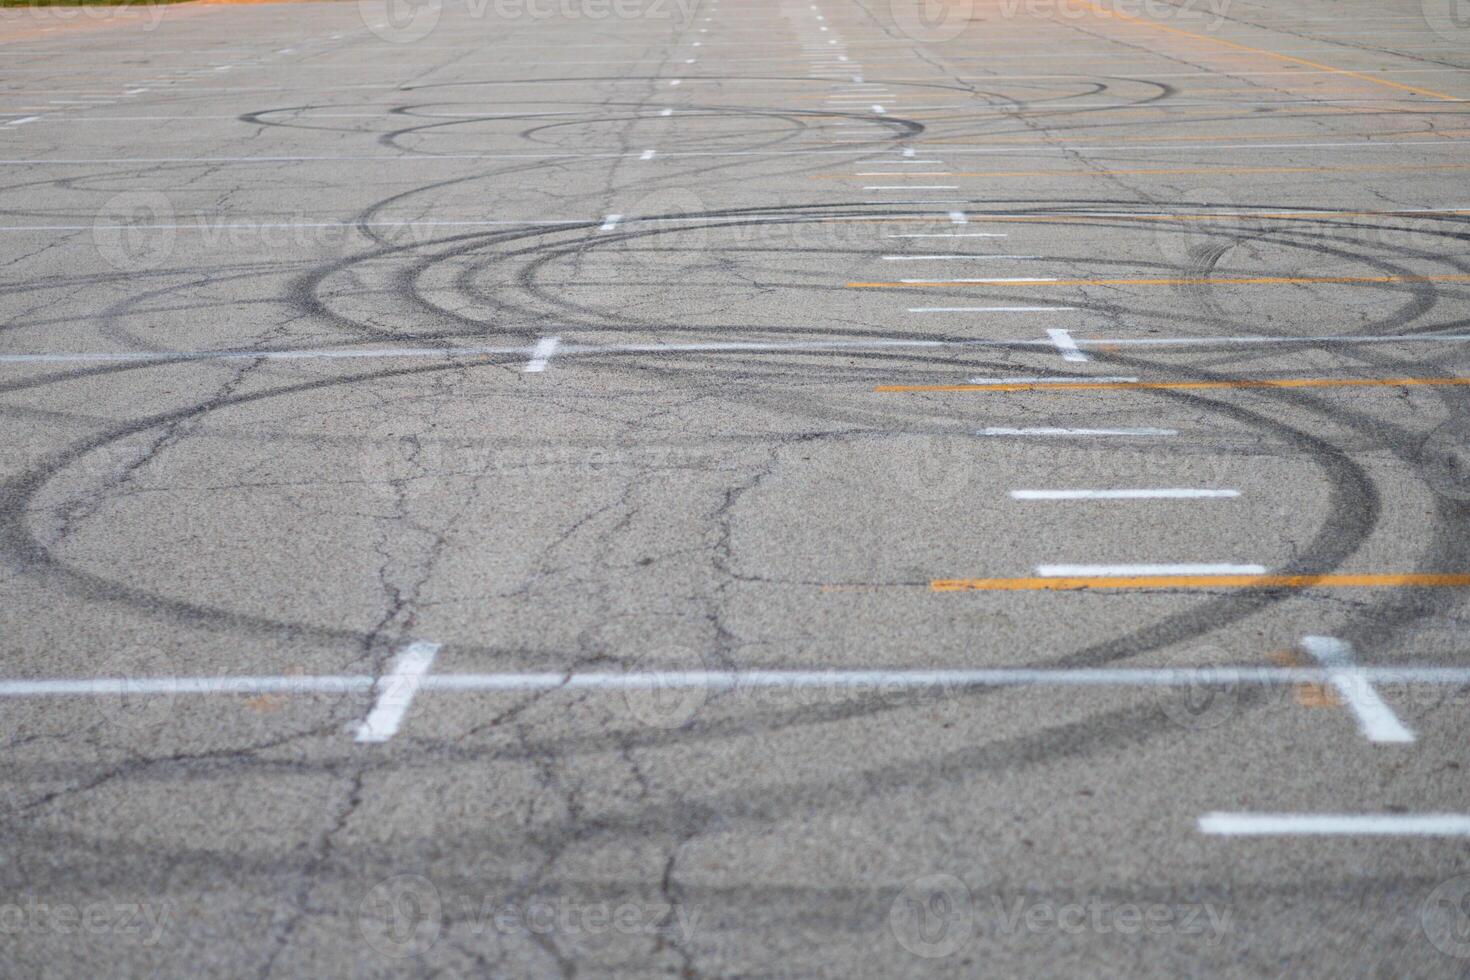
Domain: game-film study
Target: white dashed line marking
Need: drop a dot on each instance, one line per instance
(1377, 720)
(1066, 345)
(1000, 430)
(1096, 571)
(610, 222)
(1336, 824)
(1163, 493)
(395, 692)
(541, 354)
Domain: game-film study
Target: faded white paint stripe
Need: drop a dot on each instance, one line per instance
(1161, 493)
(1188, 568)
(1375, 718)
(395, 692)
(1336, 824)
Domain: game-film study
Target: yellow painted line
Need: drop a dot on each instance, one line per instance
(1242, 281)
(1185, 385)
(1104, 12)
(1377, 581)
(1136, 171)
(1430, 137)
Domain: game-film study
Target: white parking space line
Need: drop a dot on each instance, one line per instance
(1162, 493)
(647, 155)
(1066, 345)
(541, 355)
(990, 309)
(610, 222)
(951, 258)
(1056, 380)
(1377, 720)
(725, 680)
(22, 121)
(1336, 824)
(1188, 568)
(396, 690)
(1001, 430)
(793, 346)
(951, 234)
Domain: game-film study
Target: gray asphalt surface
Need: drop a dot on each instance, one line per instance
(486, 487)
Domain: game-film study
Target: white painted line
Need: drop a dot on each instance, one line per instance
(22, 122)
(726, 680)
(1377, 720)
(950, 258)
(667, 112)
(989, 309)
(944, 282)
(917, 187)
(950, 234)
(1336, 824)
(958, 218)
(882, 343)
(610, 222)
(1000, 430)
(1066, 345)
(647, 155)
(135, 91)
(395, 692)
(908, 151)
(879, 110)
(1162, 493)
(541, 354)
(1088, 571)
(1054, 379)
(677, 81)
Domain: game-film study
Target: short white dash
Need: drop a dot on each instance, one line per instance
(540, 354)
(610, 222)
(950, 234)
(1376, 718)
(921, 187)
(667, 112)
(22, 122)
(1062, 340)
(958, 218)
(946, 282)
(395, 692)
(1198, 568)
(1053, 380)
(879, 109)
(1001, 430)
(908, 151)
(988, 309)
(677, 81)
(1336, 824)
(647, 155)
(950, 258)
(1162, 493)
